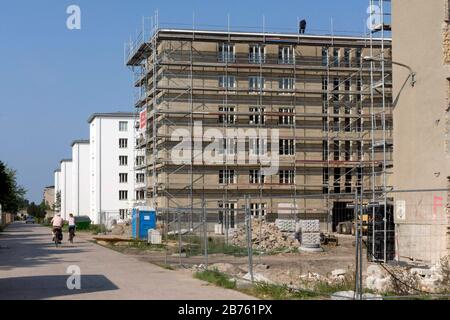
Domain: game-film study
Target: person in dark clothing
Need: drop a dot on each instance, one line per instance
(302, 27)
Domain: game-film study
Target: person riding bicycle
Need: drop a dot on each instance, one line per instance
(57, 224)
(72, 225)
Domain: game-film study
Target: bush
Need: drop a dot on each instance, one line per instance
(217, 278)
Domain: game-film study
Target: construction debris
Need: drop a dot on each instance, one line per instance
(265, 237)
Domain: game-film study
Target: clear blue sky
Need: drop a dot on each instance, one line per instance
(52, 79)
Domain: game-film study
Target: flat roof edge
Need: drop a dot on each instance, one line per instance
(110, 115)
(290, 35)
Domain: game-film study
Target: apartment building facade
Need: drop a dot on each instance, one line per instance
(308, 98)
(421, 42)
(80, 178)
(66, 188)
(112, 164)
(57, 182)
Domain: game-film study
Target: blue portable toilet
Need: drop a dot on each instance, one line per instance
(143, 219)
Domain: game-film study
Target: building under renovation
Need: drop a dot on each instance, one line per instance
(320, 107)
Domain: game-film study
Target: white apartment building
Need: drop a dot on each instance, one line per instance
(66, 188)
(112, 164)
(57, 182)
(80, 178)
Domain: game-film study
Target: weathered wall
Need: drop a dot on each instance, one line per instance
(421, 158)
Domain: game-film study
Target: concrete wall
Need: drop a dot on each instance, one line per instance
(57, 181)
(66, 189)
(421, 157)
(80, 179)
(105, 168)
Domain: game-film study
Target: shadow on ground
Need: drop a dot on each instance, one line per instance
(46, 287)
(20, 248)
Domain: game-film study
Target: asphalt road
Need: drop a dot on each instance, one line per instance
(32, 268)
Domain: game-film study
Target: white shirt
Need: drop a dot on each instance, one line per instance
(71, 221)
(57, 221)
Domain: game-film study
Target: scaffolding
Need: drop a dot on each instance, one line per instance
(333, 150)
(382, 87)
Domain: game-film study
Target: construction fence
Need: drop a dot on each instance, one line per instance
(401, 230)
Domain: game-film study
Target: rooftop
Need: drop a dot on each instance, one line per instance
(111, 115)
(79, 142)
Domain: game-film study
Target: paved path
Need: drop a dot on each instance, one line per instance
(32, 268)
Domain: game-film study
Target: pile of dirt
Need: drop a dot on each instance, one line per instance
(265, 237)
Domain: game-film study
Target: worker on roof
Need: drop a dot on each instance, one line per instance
(302, 27)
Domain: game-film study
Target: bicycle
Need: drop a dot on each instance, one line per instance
(57, 237)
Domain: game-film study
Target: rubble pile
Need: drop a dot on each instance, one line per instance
(265, 237)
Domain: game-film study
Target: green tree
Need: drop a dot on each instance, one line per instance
(12, 196)
(37, 211)
(57, 204)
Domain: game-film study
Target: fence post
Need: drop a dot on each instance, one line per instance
(356, 247)
(248, 220)
(179, 235)
(205, 232)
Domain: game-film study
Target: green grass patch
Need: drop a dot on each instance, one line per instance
(276, 292)
(217, 278)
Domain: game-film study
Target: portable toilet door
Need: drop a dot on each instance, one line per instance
(147, 221)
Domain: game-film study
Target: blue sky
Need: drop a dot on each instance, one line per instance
(52, 79)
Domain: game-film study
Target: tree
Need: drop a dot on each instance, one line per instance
(37, 211)
(57, 204)
(12, 196)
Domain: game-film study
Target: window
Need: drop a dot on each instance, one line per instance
(123, 195)
(140, 195)
(286, 84)
(286, 147)
(123, 126)
(257, 146)
(226, 53)
(358, 57)
(256, 177)
(347, 150)
(227, 146)
(227, 82)
(286, 55)
(257, 115)
(287, 177)
(347, 57)
(447, 10)
(258, 209)
(336, 151)
(336, 57)
(348, 180)
(227, 214)
(257, 54)
(255, 83)
(286, 116)
(123, 160)
(337, 180)
(336, 86)
(324, 57)
(227, 115)
(123, 143)
(123, 177)
(140, 160)
(140, 177)
(227, 177)
(123, 213)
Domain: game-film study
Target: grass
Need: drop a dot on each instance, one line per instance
(217, 278)
(259, 290)
(267, 291)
